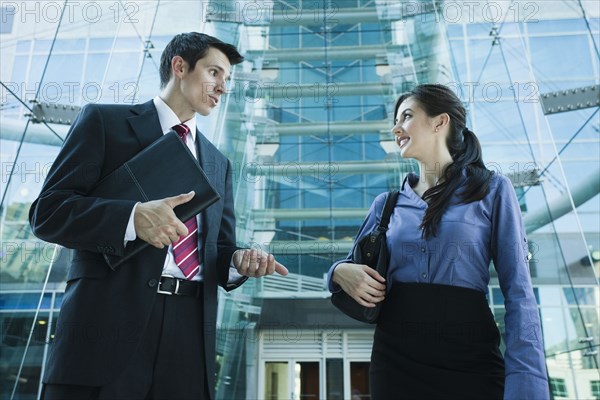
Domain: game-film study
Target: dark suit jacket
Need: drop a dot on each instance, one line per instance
(105, 311)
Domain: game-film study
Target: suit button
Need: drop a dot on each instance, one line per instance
(152, 282)
(423, 275)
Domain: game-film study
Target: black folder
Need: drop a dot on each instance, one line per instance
(165, 168)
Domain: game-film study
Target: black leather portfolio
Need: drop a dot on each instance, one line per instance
(163, 169)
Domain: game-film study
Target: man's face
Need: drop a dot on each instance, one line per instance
(202, 87)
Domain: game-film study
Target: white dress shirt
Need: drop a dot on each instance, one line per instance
(168, 119)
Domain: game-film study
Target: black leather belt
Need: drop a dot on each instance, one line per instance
(180, 287)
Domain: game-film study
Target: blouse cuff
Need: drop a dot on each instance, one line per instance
(524, 386)
(332, 286)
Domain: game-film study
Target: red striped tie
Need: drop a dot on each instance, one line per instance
(185, 250)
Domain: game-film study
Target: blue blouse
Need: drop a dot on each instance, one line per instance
(469, 236)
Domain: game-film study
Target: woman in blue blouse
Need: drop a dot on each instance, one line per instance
(436, 337)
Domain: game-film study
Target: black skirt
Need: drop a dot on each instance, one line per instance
(436, 342)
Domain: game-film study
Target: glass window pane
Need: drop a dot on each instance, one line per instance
(95, 68)
(19, 70)
(42, 46)
(335, 378)
(359, 381)
(100, 44)
(24, 301)
(16, 332)
(69, 45)
(23, 46)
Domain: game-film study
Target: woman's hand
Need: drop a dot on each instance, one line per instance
(361, 282)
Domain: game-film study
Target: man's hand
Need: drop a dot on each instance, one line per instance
(361, 282)
(256, 263)
(156, 223)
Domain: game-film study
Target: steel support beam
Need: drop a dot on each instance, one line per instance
(282, 214)
(318, 53)
(299, 16)
(570, 99)
(12, 130)
(316, 247)
(320, 128)
(295, 169)
(556, 208)
(319, 91)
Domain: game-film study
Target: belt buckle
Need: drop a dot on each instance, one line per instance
(176, 291)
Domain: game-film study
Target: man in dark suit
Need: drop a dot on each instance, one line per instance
(144, 330)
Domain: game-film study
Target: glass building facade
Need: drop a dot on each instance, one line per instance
(306, 125)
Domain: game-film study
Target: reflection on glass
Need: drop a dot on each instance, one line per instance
(558, 388)
(306, 381)
(514, 134)
(16, 331)
(335, 379)
(359, 381)
(276, 380)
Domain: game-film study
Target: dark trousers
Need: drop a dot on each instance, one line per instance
(167, 364)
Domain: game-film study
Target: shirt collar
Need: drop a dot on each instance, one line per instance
(413, 178)
(168, 118)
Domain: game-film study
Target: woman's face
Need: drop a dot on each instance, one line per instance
(414, 130)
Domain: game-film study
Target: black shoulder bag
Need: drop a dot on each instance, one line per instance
(370, 250)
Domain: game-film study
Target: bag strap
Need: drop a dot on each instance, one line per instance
(388, 208)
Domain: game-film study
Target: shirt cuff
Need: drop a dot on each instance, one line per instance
(130, 234)
(526, 387)
(332, 286)
(234, 275)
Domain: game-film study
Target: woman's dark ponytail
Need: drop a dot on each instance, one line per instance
(479, 176)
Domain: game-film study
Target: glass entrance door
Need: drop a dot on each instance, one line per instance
(302, 380)
(359, 380)
(296, 380)
(277, 380)
(306, 380)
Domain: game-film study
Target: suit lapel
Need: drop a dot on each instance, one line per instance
(206, 157)
(145, 123)
(207, 160)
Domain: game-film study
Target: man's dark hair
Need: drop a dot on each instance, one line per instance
(192, 46)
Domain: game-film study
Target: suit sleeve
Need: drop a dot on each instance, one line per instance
(226, 242)
(62, 213)
(525, 367)
(370, 222)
